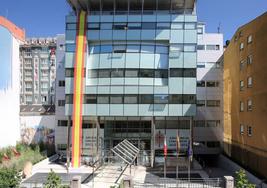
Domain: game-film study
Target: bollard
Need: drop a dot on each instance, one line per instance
(228, 182)
(127, 182)
(76, 182)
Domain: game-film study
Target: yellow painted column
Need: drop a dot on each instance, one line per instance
(80, 57)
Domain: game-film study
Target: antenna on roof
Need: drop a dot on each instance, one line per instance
(219, 28)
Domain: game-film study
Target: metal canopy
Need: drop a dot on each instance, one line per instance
(137, 4)
(126, 151)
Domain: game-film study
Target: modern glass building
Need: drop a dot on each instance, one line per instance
(139, 80)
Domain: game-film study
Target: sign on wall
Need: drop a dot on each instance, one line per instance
(89, 141)
(171, 135)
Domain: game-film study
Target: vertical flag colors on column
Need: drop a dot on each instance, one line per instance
(78, 89)
(165, 147)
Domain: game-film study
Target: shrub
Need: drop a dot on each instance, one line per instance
(1, 156)
(53, 180)
(9, 152)
(241, 180)
(9, 177)
(21, 147)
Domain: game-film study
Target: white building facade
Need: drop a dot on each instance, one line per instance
(10, 38)
(208, 124)
(60, 118)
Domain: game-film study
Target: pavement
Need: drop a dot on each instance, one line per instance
(107, 175)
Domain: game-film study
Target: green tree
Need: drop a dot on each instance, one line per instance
(53, 180)
(241, 180)
(9, 177)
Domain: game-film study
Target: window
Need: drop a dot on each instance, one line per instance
(93, 26)
(162, 49)
(92, 73)
(200, 103)
(249, 82)
(161, 73)
(249, 39)
(133, 48)
(201, 65)
(190, 26)
(69, 72)
(200, 83)
(61, 83)
(241, 129)
(199, 123)
(149, 25)
(213, 103)
(189, 48)
(175, 99)
(241, 46)
(147, 48)
(200, 30)
(213, 47)
(189, 73)
(200, 47)
(71, 26)
(62, 123)
(176, 72)
(119, 49)
(249, 107)
(130, 99)
(213, 123)
(70, 47)
(146, 99)
(242, 64)
(241, 106)
(105, 26)
(163, 25)
(105, 73)
(241, 85)
(189, 99)
(94, 49)
(103, 99)
(134, 26)
(89, 99)
(69, 98)
(131, 73)
(117, 73)
(161, 99)
(249, 60)
(116, 99)
(120, 26)
(177, 25)
(61, 102)
(106, 48)
(146, 73)
(249, 131)
(212, 84)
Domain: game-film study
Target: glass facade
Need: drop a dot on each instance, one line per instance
(140, 74)
(135, 55)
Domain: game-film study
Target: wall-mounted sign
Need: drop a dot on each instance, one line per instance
(171, 135)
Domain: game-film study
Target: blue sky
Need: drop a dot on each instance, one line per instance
(46, 17)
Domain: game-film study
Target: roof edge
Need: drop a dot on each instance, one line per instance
(15, 30)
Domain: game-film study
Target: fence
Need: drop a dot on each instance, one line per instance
(182, 183)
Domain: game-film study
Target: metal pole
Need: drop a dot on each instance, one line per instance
(68, 143)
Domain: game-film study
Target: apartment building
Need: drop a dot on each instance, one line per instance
(130, 73)
(60, 117)
(208, 124)
(38, 71)
(245, 96)
(11, 37)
